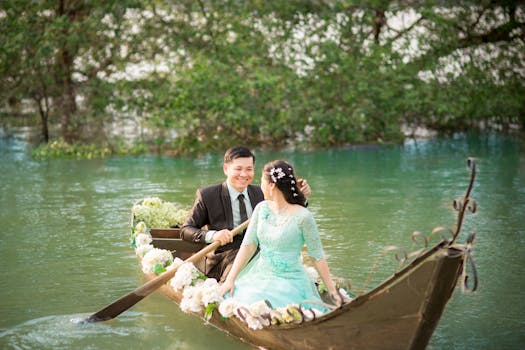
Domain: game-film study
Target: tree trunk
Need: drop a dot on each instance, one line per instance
(42, 97)
(379, 22)
(67, 103)
(44, 116)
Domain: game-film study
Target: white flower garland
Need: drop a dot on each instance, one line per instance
(200, 294)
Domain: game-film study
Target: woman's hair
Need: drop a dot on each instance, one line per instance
(282, 174)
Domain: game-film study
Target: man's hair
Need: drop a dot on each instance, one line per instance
(237, 152)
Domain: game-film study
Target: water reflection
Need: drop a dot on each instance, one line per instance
(70, 332)
(56, 332)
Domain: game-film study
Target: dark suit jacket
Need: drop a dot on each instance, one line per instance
(212, 208)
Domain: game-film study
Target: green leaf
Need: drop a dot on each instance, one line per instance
(158, 269)
(209, 310)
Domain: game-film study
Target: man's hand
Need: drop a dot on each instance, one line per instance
(304, 187)
(223, 236)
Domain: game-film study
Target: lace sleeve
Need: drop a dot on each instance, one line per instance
(250, 237)
(311, 236)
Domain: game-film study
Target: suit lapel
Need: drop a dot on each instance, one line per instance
(254, 195)
(227, 205)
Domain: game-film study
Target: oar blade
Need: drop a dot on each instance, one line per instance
(116, 308)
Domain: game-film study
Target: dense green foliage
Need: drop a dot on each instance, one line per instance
(59, 148)
(217, 73)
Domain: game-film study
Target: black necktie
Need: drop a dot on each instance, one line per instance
(242, 208)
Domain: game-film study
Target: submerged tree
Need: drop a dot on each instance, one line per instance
(57, 54)
(337, 71)
(263, 72)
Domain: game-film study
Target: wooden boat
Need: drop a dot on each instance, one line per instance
(400, 313)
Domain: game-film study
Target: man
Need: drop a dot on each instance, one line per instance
(220, 209)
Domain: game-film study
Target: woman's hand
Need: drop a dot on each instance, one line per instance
(227, 286)
(336, 298)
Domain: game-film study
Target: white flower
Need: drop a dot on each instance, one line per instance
(259, 308)
(143, 239)
(184, 276)
(140, 228)
(143, 249)
(159, 214)
(156, 256)
(227, 307)
(276, 174)
(210, 292)
(199, 296)
(152, 201)
(253, 322)
(191, 300)
(175, 264)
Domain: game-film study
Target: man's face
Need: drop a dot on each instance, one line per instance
(239, 172)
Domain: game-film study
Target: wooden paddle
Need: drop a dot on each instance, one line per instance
(119, 306)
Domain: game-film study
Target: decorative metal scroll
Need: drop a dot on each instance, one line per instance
(446, 234)
(469, 261)
(399, 253)
(465, 203)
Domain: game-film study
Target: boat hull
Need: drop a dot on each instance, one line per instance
(401, 313)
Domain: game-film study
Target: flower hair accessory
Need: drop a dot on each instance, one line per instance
(276, 174)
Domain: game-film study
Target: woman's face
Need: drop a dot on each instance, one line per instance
(265, 187)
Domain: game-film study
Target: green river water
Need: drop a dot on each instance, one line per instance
(64, 249)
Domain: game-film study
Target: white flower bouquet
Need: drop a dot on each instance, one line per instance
(185, 276)
(227, 307)
(143, 249)
(199, 292)
(156, 213)
(143, 239)
(156, 260)
(140, 236)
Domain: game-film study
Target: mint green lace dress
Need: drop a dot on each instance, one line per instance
(276, 273)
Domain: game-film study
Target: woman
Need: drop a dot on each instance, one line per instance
(280, 226)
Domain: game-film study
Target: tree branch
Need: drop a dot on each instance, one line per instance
(497, 34)
(408, 29)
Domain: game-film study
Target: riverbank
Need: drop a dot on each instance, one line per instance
(135, 145)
